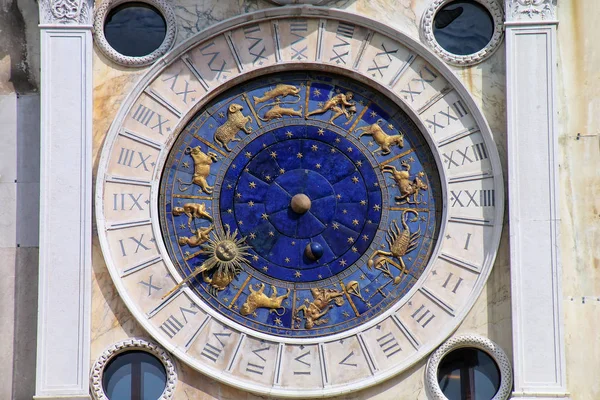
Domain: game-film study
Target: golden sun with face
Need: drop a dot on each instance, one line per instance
(226, 253)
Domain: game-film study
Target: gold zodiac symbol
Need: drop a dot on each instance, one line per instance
(257, 299)
(400, 242)
(200, 236)
(276, 111)
(279, 112)
(236, 121)
(353, 288)
(192, 210)
(406, 187)
(280, 90)
(383, 140)
(202, 163)
(338, 104)
(226, 255)
(315, 310)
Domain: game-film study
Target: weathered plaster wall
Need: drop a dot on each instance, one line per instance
(19, 196)
(579, 118)
(489, 317)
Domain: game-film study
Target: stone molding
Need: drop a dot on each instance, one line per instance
(163, 6)
(97, 371)
(299, 2)
(530, 10)
(495, 10)
(66, 12)
(464, 341)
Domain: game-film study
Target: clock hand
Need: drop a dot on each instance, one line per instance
(198, 270)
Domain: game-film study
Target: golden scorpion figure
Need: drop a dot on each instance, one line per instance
(401, 243)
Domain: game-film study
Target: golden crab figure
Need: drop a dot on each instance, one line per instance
(227, 252)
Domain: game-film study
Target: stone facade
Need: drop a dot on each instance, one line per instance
(493, 315)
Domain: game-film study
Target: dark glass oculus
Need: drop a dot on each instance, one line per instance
(463, 27)
(134, 375)
(135, 29)
(468, 374)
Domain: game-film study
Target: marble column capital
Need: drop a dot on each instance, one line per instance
(66, 12)
(532, 11)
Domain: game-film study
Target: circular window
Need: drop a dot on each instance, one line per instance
(133, 369)
(463, 32)
(134, 33)
(135, 29)
(468, 367)
(463, 27)
(134, 375)
(468, 373)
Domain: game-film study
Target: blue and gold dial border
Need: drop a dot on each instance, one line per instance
(372, 201)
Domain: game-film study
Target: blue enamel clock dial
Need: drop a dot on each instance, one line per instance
(300, 204)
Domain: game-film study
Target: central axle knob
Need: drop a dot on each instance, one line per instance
(300, 203)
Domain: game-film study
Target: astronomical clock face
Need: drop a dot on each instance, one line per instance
(298, 232)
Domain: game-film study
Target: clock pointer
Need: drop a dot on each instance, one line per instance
(188, 278)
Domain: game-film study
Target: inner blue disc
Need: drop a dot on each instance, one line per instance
(329, 174)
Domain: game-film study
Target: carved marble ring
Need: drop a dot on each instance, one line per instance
(162, 6)
(434, 392)
(97, 371)
(495, 10)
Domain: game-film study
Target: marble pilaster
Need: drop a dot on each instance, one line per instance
(538, 337)
(65, 205)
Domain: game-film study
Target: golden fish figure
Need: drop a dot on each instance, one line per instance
(281, 90)
(278, 112)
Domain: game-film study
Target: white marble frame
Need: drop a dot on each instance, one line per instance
(266, 15)
(97, 371)
(432, 386)
(163, 6)
(495, 10)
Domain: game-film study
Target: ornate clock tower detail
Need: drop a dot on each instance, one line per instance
(311, 203)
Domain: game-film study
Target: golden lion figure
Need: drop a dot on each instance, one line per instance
(258, 299)
(281, 90)
(192, 210)
(236, 121)
(315, 310)
(202, 163)
(383, 140)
